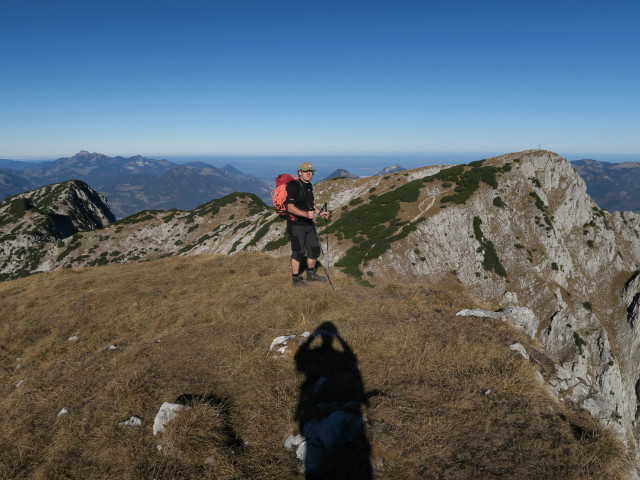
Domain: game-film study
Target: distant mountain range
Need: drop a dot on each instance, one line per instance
(18, 165)
(135, 183)
(613, 186)
(139, 183)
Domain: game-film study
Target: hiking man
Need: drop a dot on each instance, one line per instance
(302, 233)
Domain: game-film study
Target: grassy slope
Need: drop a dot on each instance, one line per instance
(202, 325)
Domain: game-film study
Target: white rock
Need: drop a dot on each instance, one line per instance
(72, 339)
(293, 441)
(578, 393)
(599, 406)
(301, 451)
(518, 347)
(168, 411)
(284, 339)
(572, 382)
(510, 298)
(521, 317)
(134, 421)
(563, 373)
(476, 312)
(300, 442)
(64, 411)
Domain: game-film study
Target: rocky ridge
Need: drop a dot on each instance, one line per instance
(517, 230)
(396, 168)
(136, 183)
(45, 216)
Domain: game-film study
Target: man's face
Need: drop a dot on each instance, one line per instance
(306, 175)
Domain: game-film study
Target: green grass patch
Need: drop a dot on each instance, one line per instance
(139, 217)
(262, 231)
(254, 204)
(276, 244)
(374, 226)
(467, 180)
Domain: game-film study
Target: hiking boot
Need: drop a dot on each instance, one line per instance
(298, 282)
(312, 276)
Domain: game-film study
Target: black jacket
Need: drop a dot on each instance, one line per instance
(300, 194)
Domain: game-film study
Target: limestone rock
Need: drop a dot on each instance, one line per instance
(286, 346)
(518, 347)
(134, 421)
(167, 412)
(521, 317)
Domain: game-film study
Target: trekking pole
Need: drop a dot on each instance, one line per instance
(326, 225)
(326, 253)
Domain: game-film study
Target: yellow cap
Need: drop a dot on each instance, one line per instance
(305, 166)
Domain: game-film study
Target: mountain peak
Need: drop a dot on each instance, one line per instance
(341, 173)
(391, 169)
(85, 153)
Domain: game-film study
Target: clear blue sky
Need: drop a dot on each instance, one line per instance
(317, 77)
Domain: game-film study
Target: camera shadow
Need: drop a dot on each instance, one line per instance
(330, 408)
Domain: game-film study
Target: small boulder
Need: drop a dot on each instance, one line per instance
(518, 347)
(286, 346)
(167, 412)
(521, 317)
(134, 421)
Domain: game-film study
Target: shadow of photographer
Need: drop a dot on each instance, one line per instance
(329, 411)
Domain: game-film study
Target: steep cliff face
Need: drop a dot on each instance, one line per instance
(530, 236)
(515, 230)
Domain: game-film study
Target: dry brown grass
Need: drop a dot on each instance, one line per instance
(449, 399)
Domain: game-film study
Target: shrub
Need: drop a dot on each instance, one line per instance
(538, 202)
(373, 227)
(276, 244)
(579, 341)
(491, 260)
(498, 202)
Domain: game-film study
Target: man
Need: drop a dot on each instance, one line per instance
(302, 234)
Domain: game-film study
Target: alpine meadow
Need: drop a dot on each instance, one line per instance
(489, 312)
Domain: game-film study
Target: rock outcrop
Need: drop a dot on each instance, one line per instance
(31, 220)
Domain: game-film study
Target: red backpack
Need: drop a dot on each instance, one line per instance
(279, 195)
